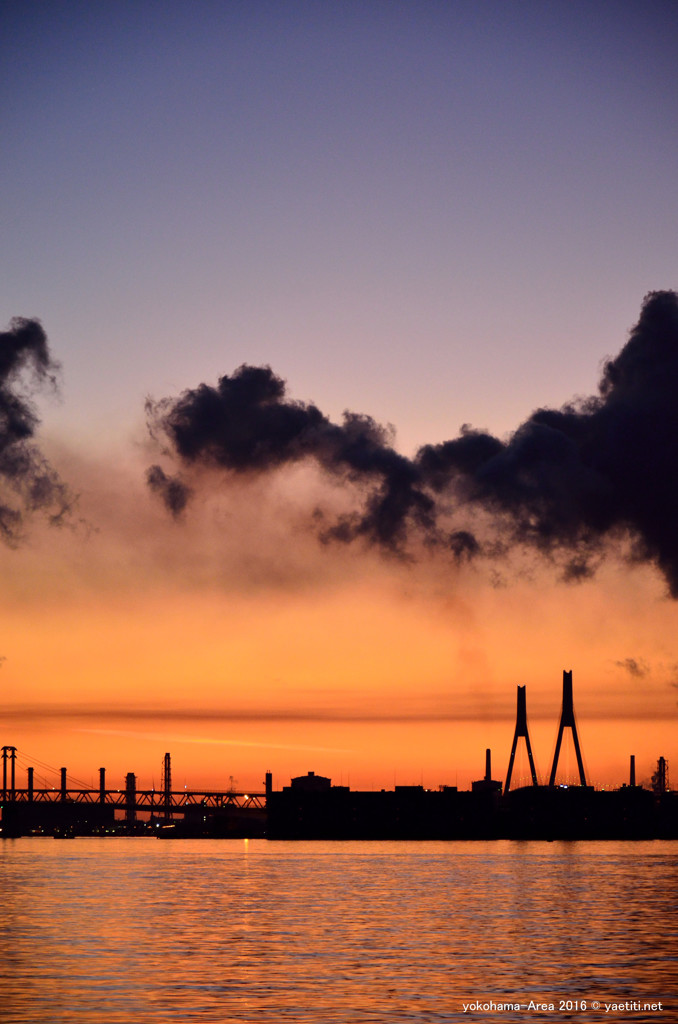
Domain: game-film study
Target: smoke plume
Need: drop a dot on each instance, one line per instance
(601, 468)
(27, 481)
(173, 492)
(568, 482)
(246, 425)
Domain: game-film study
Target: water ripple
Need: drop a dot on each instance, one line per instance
(136, 930)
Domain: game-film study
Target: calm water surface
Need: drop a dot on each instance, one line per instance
(102, 931)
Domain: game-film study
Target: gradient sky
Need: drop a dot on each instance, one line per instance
(432, 213)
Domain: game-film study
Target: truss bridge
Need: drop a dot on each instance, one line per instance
(164, 802)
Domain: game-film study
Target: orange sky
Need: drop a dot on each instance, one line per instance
(432, 214)
(239, 643)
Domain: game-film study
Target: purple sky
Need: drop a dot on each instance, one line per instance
(435, 213)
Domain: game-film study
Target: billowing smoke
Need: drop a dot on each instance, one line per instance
(173, 491)
(27, 481)
(567, 482)
(246, 425)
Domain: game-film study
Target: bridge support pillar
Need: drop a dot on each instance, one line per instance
(167, 787)
(567, 720)
(8, 752)
(131, 798)
(521, 730)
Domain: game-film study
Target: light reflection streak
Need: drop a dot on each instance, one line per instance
(211, 741)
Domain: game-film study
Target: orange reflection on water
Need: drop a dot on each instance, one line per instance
(139, 930)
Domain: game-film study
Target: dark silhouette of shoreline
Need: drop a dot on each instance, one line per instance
(312, 808)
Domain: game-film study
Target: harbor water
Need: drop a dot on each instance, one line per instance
(132, 930)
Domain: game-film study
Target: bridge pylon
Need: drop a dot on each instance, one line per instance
(521, 730)
(567, 720)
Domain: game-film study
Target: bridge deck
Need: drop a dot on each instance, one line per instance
(144, 799)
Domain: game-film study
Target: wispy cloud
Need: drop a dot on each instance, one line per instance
(211, 741)
(433, 707)
(635, 667)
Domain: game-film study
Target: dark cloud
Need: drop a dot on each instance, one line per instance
(27, 481)
(246, 425)
(173, 492)
(567, 482)
(463, 545)
(636, 667)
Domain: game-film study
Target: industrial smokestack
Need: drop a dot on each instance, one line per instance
(632, 771)
(488, 764)
(660, 777)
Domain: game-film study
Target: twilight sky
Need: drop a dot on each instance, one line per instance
(433, 214)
